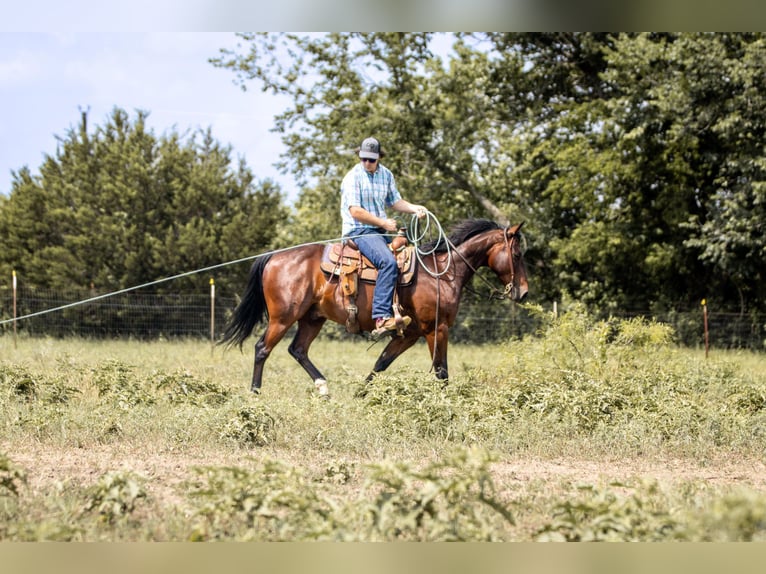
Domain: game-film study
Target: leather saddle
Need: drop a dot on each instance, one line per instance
(345, 258)
(345, 261)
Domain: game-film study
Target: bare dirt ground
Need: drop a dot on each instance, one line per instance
(166, 472)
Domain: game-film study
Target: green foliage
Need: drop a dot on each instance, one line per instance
(621, 380)
(11, 476)
(453, 499)
(114, 379)
(497, 453)
(338, 472)
(183, 387)
(735, 517)
(636, 159)
(450, 500)
(18, 382)
(274, 502)
(118, 206)
(417, 404)
(606, 516)
(114, 496)
(249, 426)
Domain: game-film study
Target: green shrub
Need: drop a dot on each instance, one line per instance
(114, 496)
(183, 387)
(118, 382)
(453, 499)
(735, 517)
(11, 477)
(251, 425)
(605, 516)
(18, 382)
(419, 404)
(450, 500)
(273, 502)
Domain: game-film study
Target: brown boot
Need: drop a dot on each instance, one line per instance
(385, 324)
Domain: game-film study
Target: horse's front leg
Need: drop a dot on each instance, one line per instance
(395, 347)
(437, 345)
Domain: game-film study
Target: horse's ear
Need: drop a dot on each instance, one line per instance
(516, 229)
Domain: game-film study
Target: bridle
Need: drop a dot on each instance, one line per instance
(495, 293)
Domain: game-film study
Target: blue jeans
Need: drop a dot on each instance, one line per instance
(374, 246)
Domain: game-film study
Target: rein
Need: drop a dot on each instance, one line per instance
(495, 293)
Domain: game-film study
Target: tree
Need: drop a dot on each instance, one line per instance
(637, 159)
(119, 207)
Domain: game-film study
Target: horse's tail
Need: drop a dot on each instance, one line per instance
(251, 308)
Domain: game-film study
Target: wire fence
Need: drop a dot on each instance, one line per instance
(142, 315)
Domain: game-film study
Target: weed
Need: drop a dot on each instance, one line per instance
(110, 375)
(605, 516)
(19, 382)
(418, 404)
(114, 496)
(736, 517)
(338, 472)
(183, 387)
(450, 500)
(453, 499)
(117, 381)
(250, 426)
(273, 502)
(59, 393)
(11, 476)
(379, 465)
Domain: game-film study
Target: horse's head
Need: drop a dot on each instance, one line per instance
(506, 259)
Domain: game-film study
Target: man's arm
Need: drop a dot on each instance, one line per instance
(364, 216)
(404, 206)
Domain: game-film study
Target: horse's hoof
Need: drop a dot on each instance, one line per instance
(322, 390)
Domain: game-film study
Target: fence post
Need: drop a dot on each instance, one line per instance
(704, 321)
(212, 313)
(14, 309)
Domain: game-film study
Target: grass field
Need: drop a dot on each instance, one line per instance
(593, 431)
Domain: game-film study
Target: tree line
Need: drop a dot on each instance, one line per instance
(636, 160)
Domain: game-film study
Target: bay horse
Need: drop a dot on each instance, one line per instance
(289, 287)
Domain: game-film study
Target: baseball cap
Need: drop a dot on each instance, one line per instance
(370, 148)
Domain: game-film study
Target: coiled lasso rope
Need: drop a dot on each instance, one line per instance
(431, 230)
(417, 231)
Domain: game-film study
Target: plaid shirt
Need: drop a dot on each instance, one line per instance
(371, 191)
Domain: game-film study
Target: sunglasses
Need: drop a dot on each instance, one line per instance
(367, 159)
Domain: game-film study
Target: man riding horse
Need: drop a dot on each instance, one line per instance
(366, 191)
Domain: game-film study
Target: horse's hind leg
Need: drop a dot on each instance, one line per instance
(274, 333)
(308, 329)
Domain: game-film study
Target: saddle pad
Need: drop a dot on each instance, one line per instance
(352, 261)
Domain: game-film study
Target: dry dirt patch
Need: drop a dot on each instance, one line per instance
(166, 472)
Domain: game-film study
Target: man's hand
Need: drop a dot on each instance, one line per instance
(391, 225)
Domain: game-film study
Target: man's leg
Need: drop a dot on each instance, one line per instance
(375, 248)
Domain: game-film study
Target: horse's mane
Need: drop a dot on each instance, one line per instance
(460, 233)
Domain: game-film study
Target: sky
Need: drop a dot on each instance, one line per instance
(48, 78)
